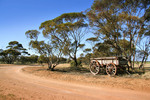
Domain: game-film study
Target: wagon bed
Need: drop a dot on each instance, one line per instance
(107, 60)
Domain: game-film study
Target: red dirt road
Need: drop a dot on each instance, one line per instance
(29, 87)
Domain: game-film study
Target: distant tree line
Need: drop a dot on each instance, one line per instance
(15, 53)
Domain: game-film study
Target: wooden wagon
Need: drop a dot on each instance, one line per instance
(108, 64)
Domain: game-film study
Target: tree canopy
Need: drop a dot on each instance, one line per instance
(66, 31)
(118, 26)
(15, 49)
(120, 23)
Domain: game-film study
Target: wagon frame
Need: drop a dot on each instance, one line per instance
(108, 64)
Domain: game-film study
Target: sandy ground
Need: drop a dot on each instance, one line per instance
(16, 84)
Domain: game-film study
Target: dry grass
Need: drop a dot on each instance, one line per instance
(147, 64)
(9, 97)
(66, 69)
(83, 76)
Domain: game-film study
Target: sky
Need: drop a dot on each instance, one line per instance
(18, 16)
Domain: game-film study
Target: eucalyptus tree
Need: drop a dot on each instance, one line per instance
(49, 50)
(67, 32)
(9, 56)
(118, 22)
(15, 49)
(93, 41)
(15, 45)
(144, 47)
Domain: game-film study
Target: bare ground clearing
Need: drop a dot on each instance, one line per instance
(36, 83)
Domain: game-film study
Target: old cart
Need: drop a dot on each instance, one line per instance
(108, 64)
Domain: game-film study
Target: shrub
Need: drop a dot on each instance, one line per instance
(73, 64)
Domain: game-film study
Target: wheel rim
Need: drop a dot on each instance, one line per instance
(111, 69)
(94, 69)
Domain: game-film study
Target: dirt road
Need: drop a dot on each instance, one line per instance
(18, 85)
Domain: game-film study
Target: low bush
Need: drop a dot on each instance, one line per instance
(73, 64)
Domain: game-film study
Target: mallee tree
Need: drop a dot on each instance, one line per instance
(67, 32)
(121, 24)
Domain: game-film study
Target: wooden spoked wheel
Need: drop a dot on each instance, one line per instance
(111, 69)
(94, 68)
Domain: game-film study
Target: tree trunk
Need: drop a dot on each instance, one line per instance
(52, 69)
(135, 49)
(75, 60)
(76, 63)
(141, 65)
(49, 65)
(133, 60)
(52, 66)
(129, 61)
(131, 52)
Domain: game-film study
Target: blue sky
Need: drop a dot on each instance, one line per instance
(18, 16)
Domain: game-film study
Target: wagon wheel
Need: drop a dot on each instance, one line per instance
(94, 68)
(111, 69)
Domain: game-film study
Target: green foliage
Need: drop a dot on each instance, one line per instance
(40, 46)
(147, 14)
(63, 60)
(15, 49)
(66, 31)
(120, 24)
(32, 34)
(73, 64)
(9, 56)
(103, 50)
(93, 39)
(48, 51)
(42, 59)
(86, 59)
(87, 50)
(28, 59)
(15, 45)
(70, 16)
